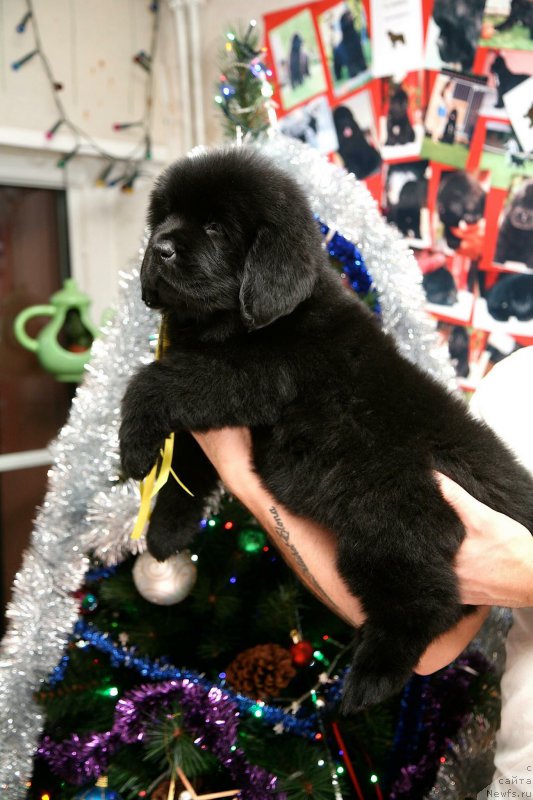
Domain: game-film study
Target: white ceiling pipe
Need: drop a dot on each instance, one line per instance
(180, 22)
(196, 63)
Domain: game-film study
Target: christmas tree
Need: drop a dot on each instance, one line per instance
(215, 674)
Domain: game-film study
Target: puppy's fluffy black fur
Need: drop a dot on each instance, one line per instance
(345, 431)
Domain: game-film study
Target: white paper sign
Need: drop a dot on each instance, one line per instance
(519, 105)
(396, 37)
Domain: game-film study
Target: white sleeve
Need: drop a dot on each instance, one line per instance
(504, 401)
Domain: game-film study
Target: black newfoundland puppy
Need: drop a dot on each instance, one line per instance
(399, 128)
(348, 54)
(345, 430)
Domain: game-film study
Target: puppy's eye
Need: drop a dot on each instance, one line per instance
(212, 228)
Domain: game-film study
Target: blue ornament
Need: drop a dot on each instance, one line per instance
(99, 791)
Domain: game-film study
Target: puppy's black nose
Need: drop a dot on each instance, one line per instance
(166, 250)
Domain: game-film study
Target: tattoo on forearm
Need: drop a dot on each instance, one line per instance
(307, 575)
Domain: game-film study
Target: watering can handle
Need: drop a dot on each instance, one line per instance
(20, 324)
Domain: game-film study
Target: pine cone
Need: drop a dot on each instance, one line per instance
(261, 672)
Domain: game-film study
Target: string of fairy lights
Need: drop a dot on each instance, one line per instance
(117, 171)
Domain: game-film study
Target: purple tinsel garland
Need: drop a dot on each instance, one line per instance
(446, 702)
(209, 716)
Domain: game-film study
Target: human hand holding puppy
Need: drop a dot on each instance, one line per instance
(494, 563)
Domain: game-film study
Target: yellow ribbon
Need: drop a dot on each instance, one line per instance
(160, 472)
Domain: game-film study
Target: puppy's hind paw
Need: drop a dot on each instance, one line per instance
(361, 691)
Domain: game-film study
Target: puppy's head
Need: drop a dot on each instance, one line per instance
(230, 232)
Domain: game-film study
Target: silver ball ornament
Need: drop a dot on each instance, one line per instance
(164, 582)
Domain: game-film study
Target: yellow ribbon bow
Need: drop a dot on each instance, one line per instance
(162, 469)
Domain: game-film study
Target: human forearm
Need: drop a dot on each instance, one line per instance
(311, 552)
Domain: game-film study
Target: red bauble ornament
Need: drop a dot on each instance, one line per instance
(302, 653)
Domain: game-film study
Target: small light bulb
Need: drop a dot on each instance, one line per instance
(321, 762)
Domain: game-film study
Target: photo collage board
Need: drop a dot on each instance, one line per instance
(430, 103)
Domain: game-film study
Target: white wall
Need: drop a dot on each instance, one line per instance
(90, 46)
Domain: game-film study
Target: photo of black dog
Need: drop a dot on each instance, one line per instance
(348, 57)
(399, 128)
(460, 198)
(448, 135)
(505, 79)
(511, 296)
(460, 23)
(521, 12)
(440, 287)
(345, 431)
(298, 62)
(458, 348)
(515, 239)
(358, 155)
(405, 196)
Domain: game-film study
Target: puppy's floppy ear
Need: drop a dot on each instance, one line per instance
(279, 273)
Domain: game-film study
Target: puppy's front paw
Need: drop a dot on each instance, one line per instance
(137, 458)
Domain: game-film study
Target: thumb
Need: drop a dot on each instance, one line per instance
(467, 508)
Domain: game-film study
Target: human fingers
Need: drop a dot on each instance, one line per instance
(470, 511)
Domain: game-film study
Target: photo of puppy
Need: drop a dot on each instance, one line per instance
(345, 432)
(401, 128)
(506, 305)
(451, 117)
(502, 155)
(509, 24)
(460, 203)
(405, 201)
(296, 53)
(344, 35)
(505, 70)
(453, 34)
(514, 247)
(298, 62)
(356, 134)
(348, 56)
(511, 296)
(312, 124)
(505, 79)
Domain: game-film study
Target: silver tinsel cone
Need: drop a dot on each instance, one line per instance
(87, 510)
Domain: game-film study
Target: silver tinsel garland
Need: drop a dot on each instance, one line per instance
(87, 510)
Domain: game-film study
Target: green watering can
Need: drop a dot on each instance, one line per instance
(68, 309)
